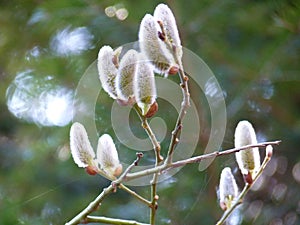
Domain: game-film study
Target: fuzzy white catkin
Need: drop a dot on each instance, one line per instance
(164, 14)
(125, 76)
(228, 187)
(81, 149)
(107, 154)
(152, 47)
(107, 70)
(248, 160)
(144, 85)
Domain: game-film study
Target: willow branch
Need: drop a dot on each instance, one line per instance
(123, 176)
(184, 106)
(158, 159)
(106, 220)
(196, 159)
(136, 195)
(80, 218)
(150, 133)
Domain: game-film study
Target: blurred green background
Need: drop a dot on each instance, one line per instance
(253, 48)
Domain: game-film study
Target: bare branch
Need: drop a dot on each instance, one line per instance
(80, 218)
(106, 220)
(195, 159)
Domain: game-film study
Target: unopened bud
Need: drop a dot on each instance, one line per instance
(173, 70)
(228, 189)
(81, 149)
(91, 170)
(269, 151)
(248, 160)
(152, 110)
(248, 178)
(125, 76)
(107, 156)
(108, 68)
(144, 87)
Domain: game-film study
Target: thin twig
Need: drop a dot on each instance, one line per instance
(184, 105)
(196, 159)
(123, 176)
(154, 198)
(136, 195)
(158, 160)
(139, 155)
(150, 133)
(80, 218)
(106, 220)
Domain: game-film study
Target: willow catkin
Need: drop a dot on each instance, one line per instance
(248, 160)
(125, 75)
(107, 156)
(81, 149)
(144, 85)
(108, 69)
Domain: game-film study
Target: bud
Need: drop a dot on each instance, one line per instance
(152, 110)
(269, 151)
(81, 149)
(248, 160)
(91, 170)
(228, 189)
(173, 70)
(107, 156)
(144, 85)
(164, 14)
(153, 45)
(108, 68)
(125, 76)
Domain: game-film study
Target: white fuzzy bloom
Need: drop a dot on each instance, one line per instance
(248, 160)
(153, 47)
(228, 188)
(144, 85)
(164, 14)
(107, 69)
(125, 76)
(107, 156)
(81, 149)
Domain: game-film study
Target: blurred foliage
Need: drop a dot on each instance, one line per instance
(253, 48)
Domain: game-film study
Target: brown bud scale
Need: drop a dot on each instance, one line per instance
(91, 170)
(153, 109)
(173, 70)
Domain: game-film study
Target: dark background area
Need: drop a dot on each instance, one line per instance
(252, 47)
